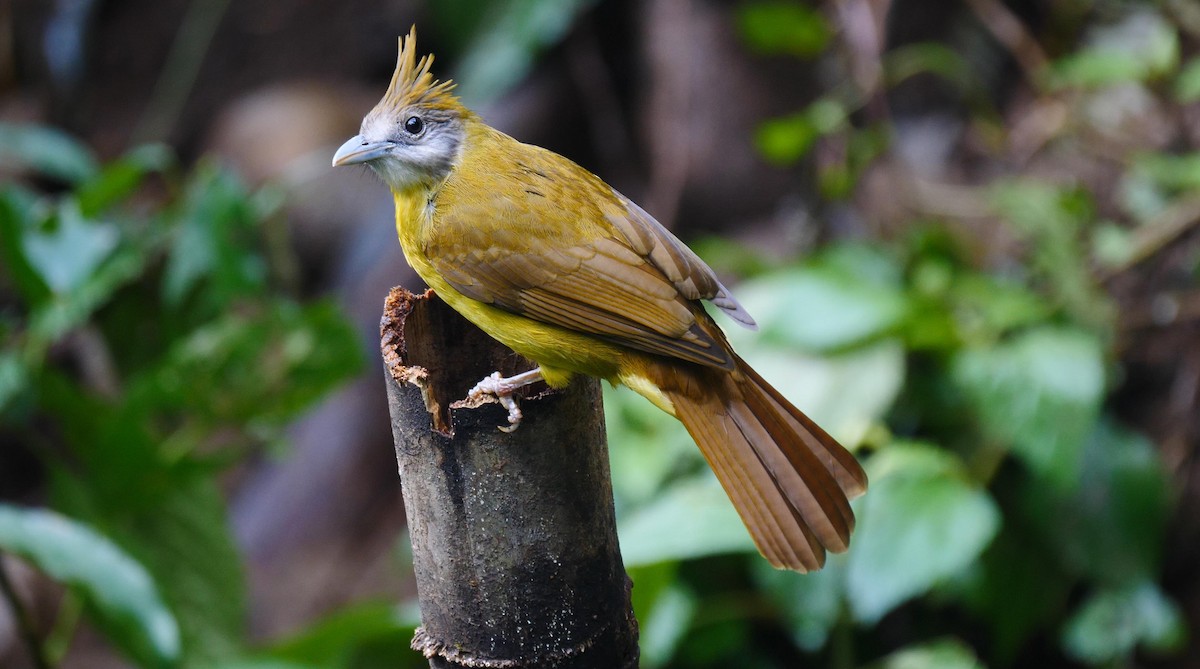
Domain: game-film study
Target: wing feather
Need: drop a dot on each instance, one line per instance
(597, 264)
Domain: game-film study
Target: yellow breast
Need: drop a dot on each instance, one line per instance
(560, 352)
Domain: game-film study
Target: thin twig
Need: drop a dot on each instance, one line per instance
(1157, 233)
(180, 70)
(1000, 21)
(24, 623)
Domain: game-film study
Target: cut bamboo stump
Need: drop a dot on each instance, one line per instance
(514, 539)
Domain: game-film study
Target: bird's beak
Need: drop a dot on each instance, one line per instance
(358, 150)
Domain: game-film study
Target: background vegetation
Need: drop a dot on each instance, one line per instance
(978, 267)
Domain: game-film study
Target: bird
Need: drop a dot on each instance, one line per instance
(558, 266)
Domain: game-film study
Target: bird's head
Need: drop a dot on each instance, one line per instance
(414, 134)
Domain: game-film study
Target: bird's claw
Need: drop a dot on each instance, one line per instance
(502, 389)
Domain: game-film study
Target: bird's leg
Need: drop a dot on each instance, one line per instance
(502, 388)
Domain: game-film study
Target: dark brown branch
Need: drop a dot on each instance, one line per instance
(514, 540)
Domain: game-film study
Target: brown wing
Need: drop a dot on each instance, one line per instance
(583, 258)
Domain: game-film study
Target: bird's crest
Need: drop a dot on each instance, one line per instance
(412, 82)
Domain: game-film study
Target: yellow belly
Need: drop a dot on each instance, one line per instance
(560, 352)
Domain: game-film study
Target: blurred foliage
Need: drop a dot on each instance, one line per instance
(1008, 509)
(149, 342)
(145, 346)
(499, 40)
(122, 597)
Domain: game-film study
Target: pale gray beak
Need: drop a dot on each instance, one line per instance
(358, 150)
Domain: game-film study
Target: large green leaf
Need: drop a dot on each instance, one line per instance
(164, 509)
(691, 518)
(646, 447)
(45, 150)
(665, 625)
(120, 592)
(1039, 393)
(922, 522)
(823, 307)
(184, 541)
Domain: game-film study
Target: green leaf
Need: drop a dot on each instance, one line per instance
(847, 394)
(334, 640)
(1050, 220)
(1039, 393)
(811, 603)
(163, 509)
(180, 533)
(1112, 245)
(1113, 623)
(822, 309)
(774, 27)
(666, 624)
(646, 447)
(217, 239)
(118, 179)
(922, 522)
(16, 209)
(989, 307)
(691, 518)
(1172, 173)
(56, 317)
(785, 140)
(1111, 525)
(118, 590)
(45, 150)
(505, 39)
(1187, 84)
(1019, 589)
(66, 249)
(261, 367)
(14, 380)
(1143, 45)
(940, 654)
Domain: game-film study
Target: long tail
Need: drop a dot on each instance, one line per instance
(788, 479)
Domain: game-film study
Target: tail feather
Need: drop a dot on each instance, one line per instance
(841, 463)
(796, 472)
(788, 479)
(780, 535)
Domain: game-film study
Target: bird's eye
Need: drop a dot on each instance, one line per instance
(414, 125)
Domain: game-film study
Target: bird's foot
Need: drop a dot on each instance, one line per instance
(502, 388)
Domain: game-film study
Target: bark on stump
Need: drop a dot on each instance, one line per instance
(514, 540)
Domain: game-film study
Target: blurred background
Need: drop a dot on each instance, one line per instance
(968, 229)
